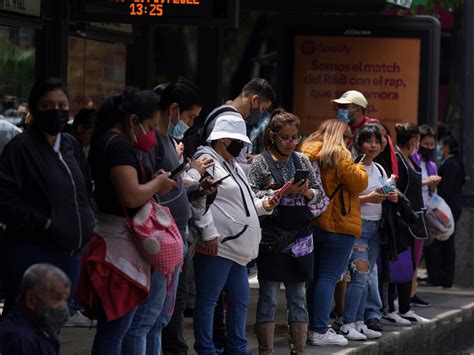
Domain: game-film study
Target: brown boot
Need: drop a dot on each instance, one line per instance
(265, 332)
(297, 337)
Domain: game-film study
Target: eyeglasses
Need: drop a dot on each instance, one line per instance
(288, 141)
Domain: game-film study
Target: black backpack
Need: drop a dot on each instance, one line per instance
(196, 135)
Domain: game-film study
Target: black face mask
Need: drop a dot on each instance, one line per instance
(255, 115)
(235, 147)
(426, 153)
(51, 121)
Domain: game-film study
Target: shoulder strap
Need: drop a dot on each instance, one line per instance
(212, 118)
(279, 181)
(381, 169)
(296, 161)
(406, 168)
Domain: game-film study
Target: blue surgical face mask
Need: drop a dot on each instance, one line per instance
(178, 130)
(343, 115)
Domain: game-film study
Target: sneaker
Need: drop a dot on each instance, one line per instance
(416, 301)
(413, 317)
(337, 324)
(395, 319)
(369, 333)
(328, 338)
(374, 324)
(80, 320)
(350, 332)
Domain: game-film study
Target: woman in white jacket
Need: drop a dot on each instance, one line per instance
(230, 236)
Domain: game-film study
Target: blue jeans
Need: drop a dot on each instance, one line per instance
(331, 256)
(366, 250)
(374, 301)
(268, 301)
(214, 274)
(144, 335)
(109, 336)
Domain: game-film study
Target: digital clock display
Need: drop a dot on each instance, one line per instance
(186, 12)
(164, 8)
(158, 7)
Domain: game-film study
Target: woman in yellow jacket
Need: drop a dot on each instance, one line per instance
(337, 228)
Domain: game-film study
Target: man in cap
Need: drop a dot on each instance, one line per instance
(352, 109)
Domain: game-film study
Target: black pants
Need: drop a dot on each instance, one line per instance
(173, 341)
(440, 260)
(404, 291)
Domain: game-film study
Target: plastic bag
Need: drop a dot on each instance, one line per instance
(439, 218)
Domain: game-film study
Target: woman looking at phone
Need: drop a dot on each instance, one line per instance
(366, 249)
(291, 264)
(229, 238)
(337, 228)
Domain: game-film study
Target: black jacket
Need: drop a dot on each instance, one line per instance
(36, 183)
(20, 334)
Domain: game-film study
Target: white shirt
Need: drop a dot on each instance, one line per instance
(372, 211)
(425, 189)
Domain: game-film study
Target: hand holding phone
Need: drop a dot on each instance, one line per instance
(300, 175)
(280, 191)
(179, 170)
(217, 182)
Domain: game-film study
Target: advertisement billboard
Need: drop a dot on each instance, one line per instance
(385, 70)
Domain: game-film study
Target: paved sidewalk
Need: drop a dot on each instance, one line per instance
(449, 308)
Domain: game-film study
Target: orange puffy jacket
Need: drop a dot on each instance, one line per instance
(353, 179)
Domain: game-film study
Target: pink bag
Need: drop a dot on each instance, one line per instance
(157, 237)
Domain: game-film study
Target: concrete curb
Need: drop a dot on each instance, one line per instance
(442, 335)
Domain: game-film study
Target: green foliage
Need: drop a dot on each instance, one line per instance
(429, 5)
(17, 67)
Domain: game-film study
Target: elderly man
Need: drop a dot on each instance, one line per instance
(32, 325)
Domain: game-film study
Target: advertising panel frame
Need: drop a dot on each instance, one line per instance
(425, 28)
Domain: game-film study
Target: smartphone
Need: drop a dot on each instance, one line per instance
(179, 170)
(218, 181)
(300, 175)
(359, 158)
(281, 191)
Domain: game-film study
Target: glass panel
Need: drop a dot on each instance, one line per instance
(17, 69)
(96, 70)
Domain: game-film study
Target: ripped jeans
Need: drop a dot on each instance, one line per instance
(363, 258)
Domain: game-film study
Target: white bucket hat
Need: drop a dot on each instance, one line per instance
(352, 97)
(229, 126)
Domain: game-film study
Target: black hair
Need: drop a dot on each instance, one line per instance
(85, 117)
(117, 109)
(442, 131)
(452, 143)
(260, 87)
(426, 131)
(181, 91)
(405, 132)
(366, 133)
(41, 88)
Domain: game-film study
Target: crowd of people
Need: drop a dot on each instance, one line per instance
(126, 212)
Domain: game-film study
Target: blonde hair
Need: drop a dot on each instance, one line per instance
(331, 134)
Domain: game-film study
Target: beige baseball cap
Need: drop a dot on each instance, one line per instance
(352, 97)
